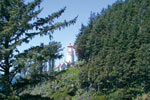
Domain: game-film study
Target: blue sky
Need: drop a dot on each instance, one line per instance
(80, 8)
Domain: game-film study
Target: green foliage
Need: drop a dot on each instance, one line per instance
(35, 58)
(80, 63)
(33, 97)
(63, 87)
(99, 98)
(116, 46)
(123, 94)
(19, 23)
(61, 95)
(143, 97)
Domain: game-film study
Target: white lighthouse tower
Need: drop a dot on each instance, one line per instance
(70, 54)
(69, 59)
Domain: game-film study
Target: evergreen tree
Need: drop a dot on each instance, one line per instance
(17, 22)
(116, 48)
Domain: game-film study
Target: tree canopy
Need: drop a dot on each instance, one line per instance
(116, 46)
(19, 23)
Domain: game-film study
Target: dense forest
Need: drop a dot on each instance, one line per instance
(115, 48)
(113, 52)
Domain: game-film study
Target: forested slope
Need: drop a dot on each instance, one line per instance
(116, 46)
(114, 58)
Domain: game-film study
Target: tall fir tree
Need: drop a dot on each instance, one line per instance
(17, 22)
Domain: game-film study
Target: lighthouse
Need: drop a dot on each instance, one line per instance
(70, 54)
(69, 59)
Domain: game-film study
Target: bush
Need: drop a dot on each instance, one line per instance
(103, 97)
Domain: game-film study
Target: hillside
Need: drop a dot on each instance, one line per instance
(66, 87)
(63, 87)
(116, 46)
(114, 57)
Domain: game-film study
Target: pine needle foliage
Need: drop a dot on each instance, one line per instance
(116, 46)
(19, 23)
